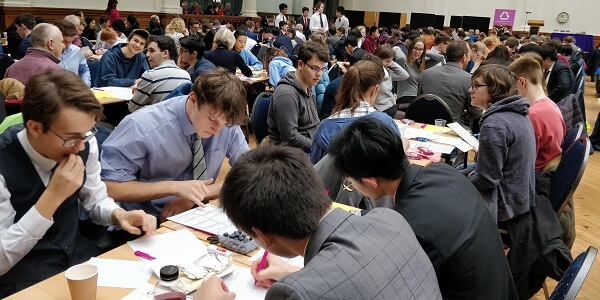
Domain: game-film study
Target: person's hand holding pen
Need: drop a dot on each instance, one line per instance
(274, 269)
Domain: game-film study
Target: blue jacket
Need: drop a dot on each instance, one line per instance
(329, 127)
(319, 89)
(251, 60)
(278, 67)
(201, 65)
(117, 70)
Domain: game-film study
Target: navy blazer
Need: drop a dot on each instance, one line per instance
(252, 35)
(560, 84)
(229, 59)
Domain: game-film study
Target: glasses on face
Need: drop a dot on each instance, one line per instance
(475, 86)
(418, 49)
(315, 68)
(68, 143)
(347, 185)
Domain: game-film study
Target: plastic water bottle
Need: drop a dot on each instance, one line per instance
(169, 277)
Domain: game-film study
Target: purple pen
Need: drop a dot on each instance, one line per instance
(144, 255)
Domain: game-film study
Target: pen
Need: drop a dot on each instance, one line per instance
(262, 263)
(144, 255)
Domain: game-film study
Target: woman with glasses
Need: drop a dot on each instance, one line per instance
(417, 60)
(504, 171)
(355, 98)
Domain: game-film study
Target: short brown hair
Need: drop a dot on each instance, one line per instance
(501, 82)
(529, 66)
(66, 28)
(357, 81)
(224, 91)
(47, 93)
(309, 49)
(385, 51)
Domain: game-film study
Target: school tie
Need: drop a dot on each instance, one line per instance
(199, 162)
(321, 19)
(305, 24)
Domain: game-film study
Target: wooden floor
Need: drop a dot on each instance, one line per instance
(587, 206)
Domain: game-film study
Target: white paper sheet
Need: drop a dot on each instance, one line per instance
(241, 282)
(119, 92)
(145, 292)
(210, 219)
(441, 148)
(121, 273)
(465, 135)
(297, 261)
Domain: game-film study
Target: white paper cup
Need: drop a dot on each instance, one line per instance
(440, 122)
(83, 281)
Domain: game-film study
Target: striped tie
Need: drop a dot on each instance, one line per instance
(199, 162)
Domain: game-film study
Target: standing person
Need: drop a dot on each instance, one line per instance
(180, 145)
(49, 173)
(318, 21)
(111, 11)
(123, 64)
(293, 114)
(305, 21)
(24, 24)
(345, 256)
(163, 78)
(505, 170)
(281, 17)
(341, 20)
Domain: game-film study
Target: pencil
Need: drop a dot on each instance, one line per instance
(261, 265)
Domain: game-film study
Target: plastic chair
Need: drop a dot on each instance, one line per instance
(427, 108)
(572, 134)
(260, 112)
(568, 173)
(571, 283)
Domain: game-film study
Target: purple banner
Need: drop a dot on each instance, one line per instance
(504, 17)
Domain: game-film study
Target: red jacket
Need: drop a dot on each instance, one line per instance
(370, 44)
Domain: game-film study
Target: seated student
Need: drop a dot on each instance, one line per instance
(281, 39)
(386, 99)
(43, 56)
(277, 64)
(446, 212)
(545, 116)
(165, 76)
(354, 100)
(122, 64)
(345, 256)
(162, 158)
(240, 47)
(191, 53)
(109, 39)
(49, 170)
(371, 42)
(293, 116)
(222, 56)
(72, 59)
(24, 23)
(505, 170)
(558, 76)
(354, 53)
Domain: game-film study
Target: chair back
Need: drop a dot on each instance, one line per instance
(570, 284)
(334, 73)
(5, 62)
(572, 134)
(568, 173)
(427, 108)
(255, 49)
(260, 112)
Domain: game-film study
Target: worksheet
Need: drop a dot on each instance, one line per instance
(210, 219)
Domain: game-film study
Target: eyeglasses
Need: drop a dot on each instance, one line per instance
(475, 86)
(347, 185)
(418, 49)
(68, 143)
(316, 69)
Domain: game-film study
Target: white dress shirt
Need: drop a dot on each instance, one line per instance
(343, 22)
(301, 35)
(315, 23)
(280, 17)
(17, 239)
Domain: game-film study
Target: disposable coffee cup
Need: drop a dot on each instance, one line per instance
(440, 122)
(83, 281)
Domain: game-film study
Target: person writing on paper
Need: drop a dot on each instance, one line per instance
(344, 254)
(49, 171)
(123, 64)
(163, 158)
(72, 58)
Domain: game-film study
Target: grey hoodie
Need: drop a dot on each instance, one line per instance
(293, 115)
(505, 172)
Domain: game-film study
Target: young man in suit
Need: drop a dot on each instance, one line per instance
(353, 53)
(345, 256)
(305, 21)
(49, 172)
(446, 212)
(559, 77)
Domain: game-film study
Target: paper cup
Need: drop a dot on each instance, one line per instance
(440, 122)
(83, 281)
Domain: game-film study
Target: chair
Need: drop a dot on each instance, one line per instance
(570, 284)
(260, 112)
(572, 134)
(427, 108)
(255, 49)
(5, 62)
(568, 173)
(334, 73)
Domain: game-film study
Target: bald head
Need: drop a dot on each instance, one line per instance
(47, 37)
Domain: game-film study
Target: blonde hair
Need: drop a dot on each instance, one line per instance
(224, 36)
(491, 42)
(480, 47)
(176, 25)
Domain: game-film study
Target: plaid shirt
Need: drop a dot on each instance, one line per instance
(362, 110)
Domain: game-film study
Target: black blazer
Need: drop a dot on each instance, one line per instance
(357, 55)
(560, 84)
(229, 59)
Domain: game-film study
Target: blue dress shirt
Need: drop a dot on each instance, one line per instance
(251, 60)
(73, 60)
(155, 144)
